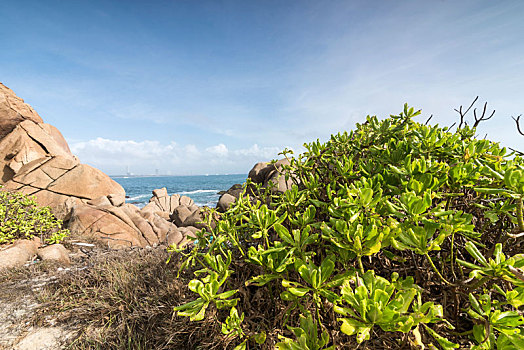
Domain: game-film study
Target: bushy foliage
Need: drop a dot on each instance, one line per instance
(397, 228)
(21, 217)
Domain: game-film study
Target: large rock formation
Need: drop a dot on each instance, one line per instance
(272, 175)
(56, 179)
(13, 111)
(36, 160)
(269, 175)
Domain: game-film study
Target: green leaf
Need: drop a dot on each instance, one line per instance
(443, 342)
(227, 294)
(260, 338)
(196, 286)
(492, 190)
(299, 292)
(261, 280)
(366, 196)
(283, 233)
(241, 346)
(326, 269)
(473, 250)
(350, 326)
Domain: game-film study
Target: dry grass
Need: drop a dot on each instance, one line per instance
(125, 299)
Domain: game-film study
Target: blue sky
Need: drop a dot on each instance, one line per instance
(195, 87)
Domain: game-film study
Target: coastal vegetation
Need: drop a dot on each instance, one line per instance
(21, 217)
(396, 234)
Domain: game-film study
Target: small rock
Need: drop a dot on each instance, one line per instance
(161, 192)
(174, 237)
(185, 200)
(195, 219)
(180, 215)
(18, 254)
(225, 202)
(56, 252)
(30, 246)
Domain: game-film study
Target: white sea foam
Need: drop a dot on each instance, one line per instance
(199, 191)
(206, 204)
(140, 196)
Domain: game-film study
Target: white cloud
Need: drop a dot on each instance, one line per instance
(255, 151)
(144, 157)
(219, 150)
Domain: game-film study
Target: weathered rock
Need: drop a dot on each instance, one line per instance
(117, 199)
(29, 245)
(225, 201)
(27, 142)
(256, 174)
(36, 160)
(272, 175)
(100, 202)
(13, 110)
(163, 205)
(164, 215)
(278, 183)
(63, 210)
(174, 237)
(84, 181)
(189, 233)
(18, 254)
(120, 227)
(161, 192)
(95, 223)
(195, 219)
(174, 202)
(145, 228)
(180, 215)
(161, 228)
(151, 207)
(191, 230)
(55, 252)
(55, 179)
(185, 200)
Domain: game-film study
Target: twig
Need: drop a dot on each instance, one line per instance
(519, 152)
(517, 121)
(481, 119)
(463, 114)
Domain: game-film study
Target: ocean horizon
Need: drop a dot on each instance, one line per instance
(203, 189)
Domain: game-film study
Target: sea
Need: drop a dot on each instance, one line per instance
(203, 189)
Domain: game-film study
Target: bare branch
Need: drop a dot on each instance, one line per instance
(427, 121)
(472, 103)
(517, 121)
(478, 119)
(482, 117)
(519, 152)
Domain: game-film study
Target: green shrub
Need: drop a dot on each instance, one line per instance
(21, 217)
(398, 230)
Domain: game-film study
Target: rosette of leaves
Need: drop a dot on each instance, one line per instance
(21, 217)
(395, 228)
